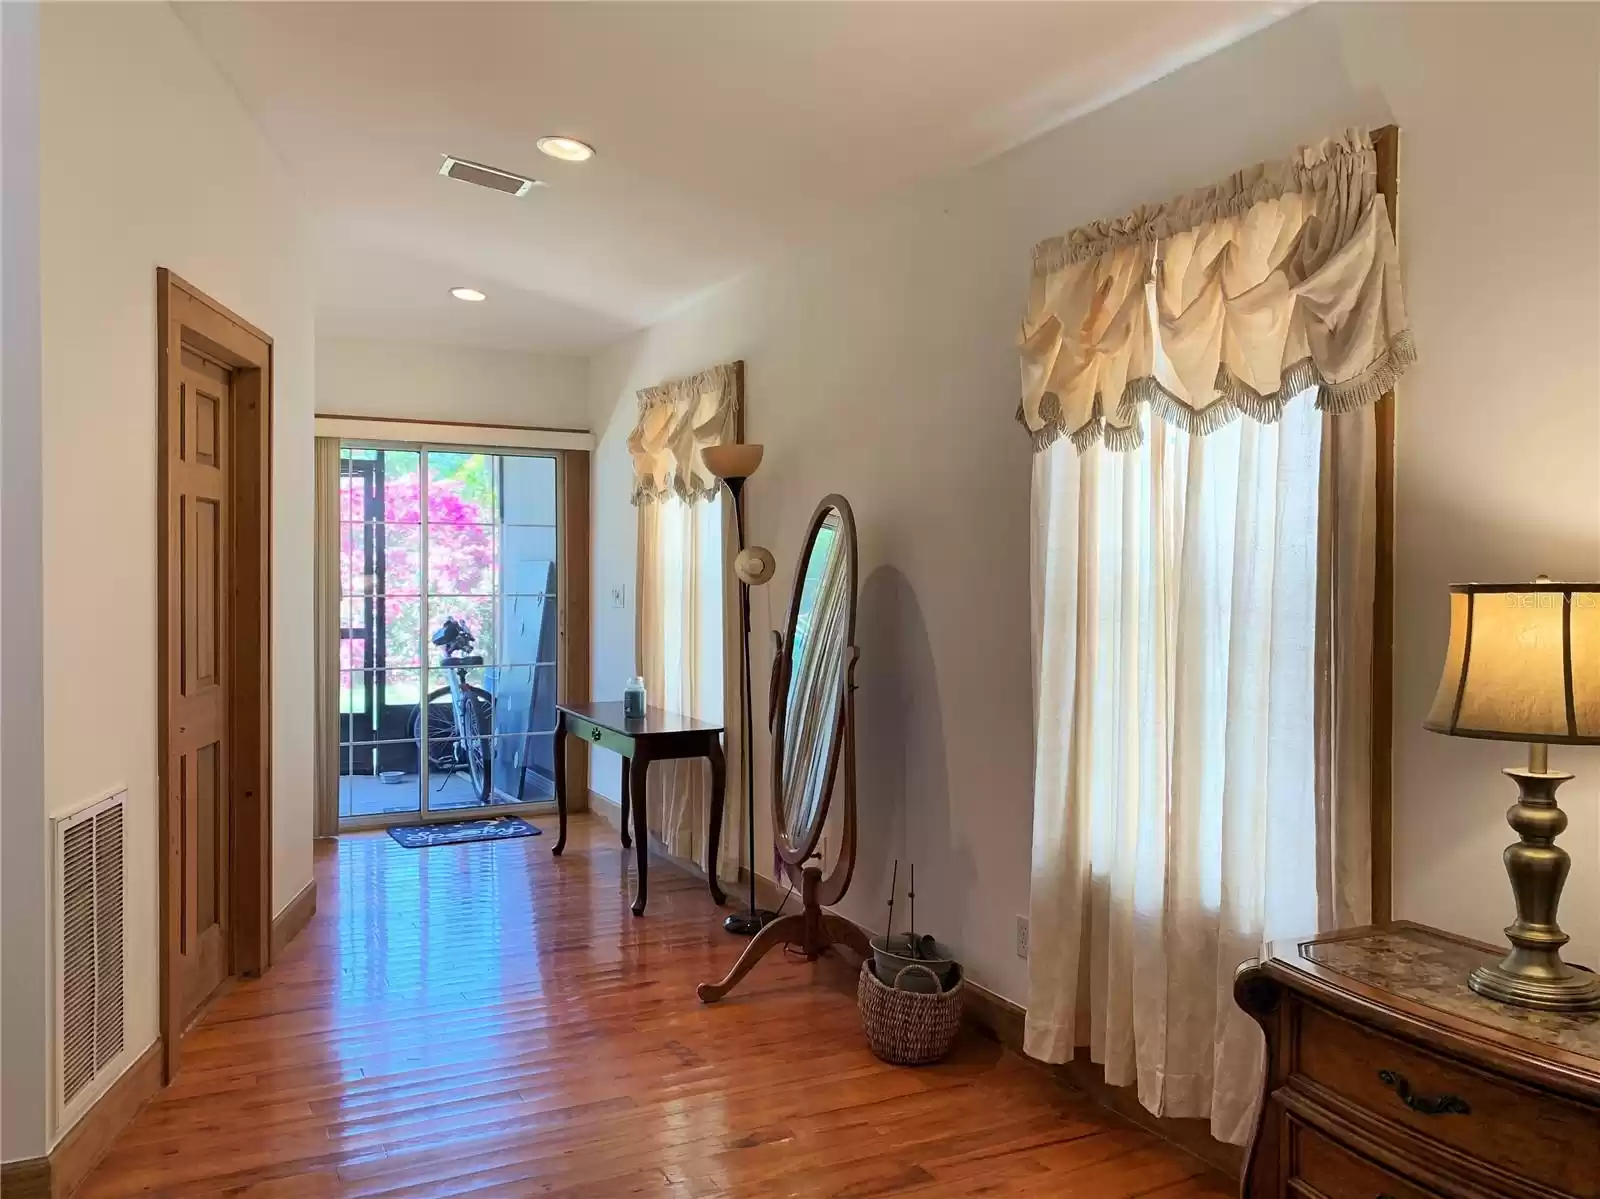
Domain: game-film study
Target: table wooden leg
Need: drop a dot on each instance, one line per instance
(627, 804)
(719, 781)
(641, 831)
(560, 764)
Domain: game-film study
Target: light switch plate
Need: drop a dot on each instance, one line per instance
(1022, 936)
(619, 596)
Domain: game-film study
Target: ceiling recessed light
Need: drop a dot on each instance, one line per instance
(470, 294)
(567, 149)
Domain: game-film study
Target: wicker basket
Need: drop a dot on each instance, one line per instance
(908, 1028)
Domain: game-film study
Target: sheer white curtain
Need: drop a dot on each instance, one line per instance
(1176, 598)
(688, 626)
(1202, 607)
(690, 664)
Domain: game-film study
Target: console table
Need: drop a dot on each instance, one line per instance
(659, 736)
(1389, 1078)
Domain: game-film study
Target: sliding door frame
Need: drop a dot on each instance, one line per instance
(572, 616)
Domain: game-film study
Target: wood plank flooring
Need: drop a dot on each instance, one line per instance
(490, 1020)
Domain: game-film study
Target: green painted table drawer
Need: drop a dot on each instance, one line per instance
(585, 730)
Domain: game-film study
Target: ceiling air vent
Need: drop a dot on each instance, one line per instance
(490, 177)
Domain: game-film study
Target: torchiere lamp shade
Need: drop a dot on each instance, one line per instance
(1523, 663)
(735, 460)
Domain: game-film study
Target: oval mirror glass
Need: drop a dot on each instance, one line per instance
(821, 634)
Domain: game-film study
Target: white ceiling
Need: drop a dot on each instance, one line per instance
(725, 132)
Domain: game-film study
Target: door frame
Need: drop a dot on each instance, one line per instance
(572, 594)
(186, 316)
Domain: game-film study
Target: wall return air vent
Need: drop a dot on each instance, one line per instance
(88, 965)
(485, 176)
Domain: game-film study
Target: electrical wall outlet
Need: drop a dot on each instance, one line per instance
(619, 596)
(1022, 936)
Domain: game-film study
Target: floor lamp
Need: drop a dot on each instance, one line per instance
(734, 464)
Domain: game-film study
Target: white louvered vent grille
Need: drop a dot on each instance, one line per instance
(90, 967)
(108, 1040)
(79, 978)
(480, 175)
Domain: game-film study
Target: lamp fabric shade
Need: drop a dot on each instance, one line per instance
(1522, 664)
(677, 421)
(1227, 301)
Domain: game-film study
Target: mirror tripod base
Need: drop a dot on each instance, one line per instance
(749, 922)
(812, 931)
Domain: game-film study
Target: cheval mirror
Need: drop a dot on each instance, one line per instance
(811, 711)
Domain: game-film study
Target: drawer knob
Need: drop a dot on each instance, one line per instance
(1426, 1105)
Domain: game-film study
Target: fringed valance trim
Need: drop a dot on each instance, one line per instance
(1235, 398)
(645, 491)
(1309, 171)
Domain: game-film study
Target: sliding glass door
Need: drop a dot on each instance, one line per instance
(450, 631)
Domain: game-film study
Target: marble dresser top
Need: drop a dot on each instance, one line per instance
(1427, 968)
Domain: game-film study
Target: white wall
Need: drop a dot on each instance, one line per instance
(23, 874)
(880, 364)
(148, 160)
(360, 377)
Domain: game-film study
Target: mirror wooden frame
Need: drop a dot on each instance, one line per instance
(811, 930)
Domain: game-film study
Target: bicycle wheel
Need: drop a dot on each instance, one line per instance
(441, 749)
(476, 713)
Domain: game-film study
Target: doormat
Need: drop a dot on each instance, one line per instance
(420, 836)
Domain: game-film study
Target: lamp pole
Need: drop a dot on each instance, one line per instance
(753, 919)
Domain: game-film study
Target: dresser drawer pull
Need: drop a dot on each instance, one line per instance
(1427, 1105)
(594, 735)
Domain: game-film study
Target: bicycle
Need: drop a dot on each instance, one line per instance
(458, 735)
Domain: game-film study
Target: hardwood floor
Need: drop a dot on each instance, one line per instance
(489, 1020)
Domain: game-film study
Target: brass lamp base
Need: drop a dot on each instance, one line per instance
(1533, 974)
(1575, 992)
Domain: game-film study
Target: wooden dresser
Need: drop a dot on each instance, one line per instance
(1388, 1078)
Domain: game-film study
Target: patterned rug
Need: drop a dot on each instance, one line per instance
(500, 828)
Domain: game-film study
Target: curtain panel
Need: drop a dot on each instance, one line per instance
(677, 420)
(687, 612)
(1202, 645)
(325, 633)
(1228, 301)
(1202, 609)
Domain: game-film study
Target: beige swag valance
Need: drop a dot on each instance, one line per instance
(677, 420)
(1230, 300)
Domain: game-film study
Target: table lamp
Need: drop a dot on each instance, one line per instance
(1523, 664)
(733, 464)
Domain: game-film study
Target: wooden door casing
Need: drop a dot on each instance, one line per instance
(214, 651)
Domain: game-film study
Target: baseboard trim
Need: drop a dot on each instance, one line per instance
(287, 924)
(87, 1141)
(1005, 1022)
(26, 1179)
(606, 808)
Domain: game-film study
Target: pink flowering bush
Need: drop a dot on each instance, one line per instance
(461, 562)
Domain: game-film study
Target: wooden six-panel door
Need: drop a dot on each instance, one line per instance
(196, 772)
